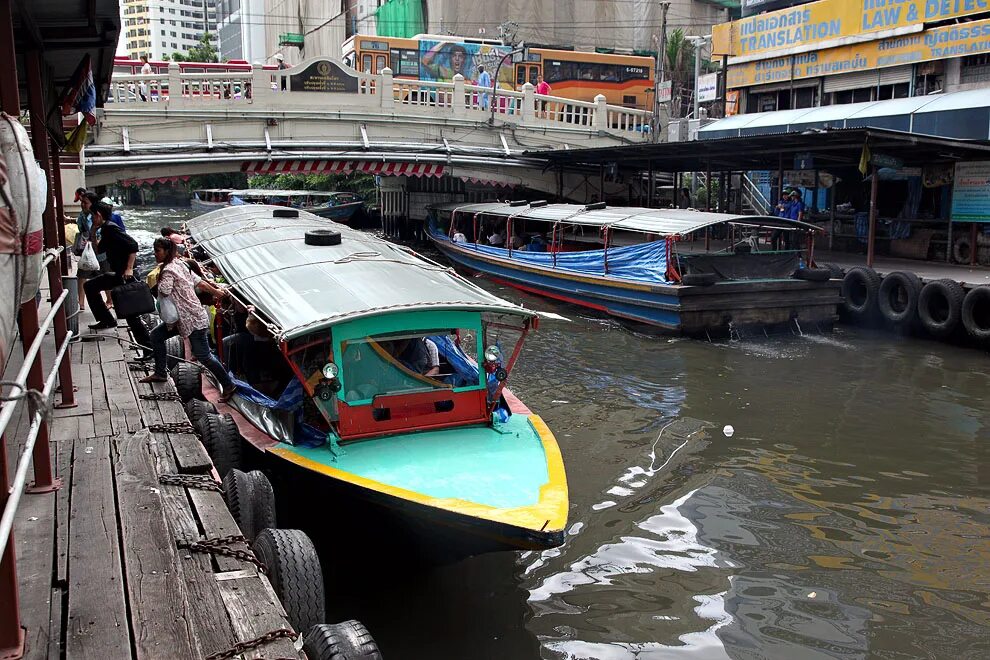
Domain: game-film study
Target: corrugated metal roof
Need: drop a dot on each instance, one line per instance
(662, 222)
(303, 288)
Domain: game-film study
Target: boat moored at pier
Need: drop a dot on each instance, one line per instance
(337, 206)
(630, 263)
(393, 397)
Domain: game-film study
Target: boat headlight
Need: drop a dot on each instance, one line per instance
(330, 371)
(492, 354)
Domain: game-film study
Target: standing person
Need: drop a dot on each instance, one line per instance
(145, 71)
(179, 284)
(795, 211)
(282, 66)
(84, 224)
(543, 89)
(779, 237)
(120, 251)
(484, 81)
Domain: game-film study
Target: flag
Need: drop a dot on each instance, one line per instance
(864, 159)
(76, 139)
(80, 94)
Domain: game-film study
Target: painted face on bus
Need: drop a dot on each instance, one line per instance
(457, 59)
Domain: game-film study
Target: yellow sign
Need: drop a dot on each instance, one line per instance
(952, 41)
(818, 23)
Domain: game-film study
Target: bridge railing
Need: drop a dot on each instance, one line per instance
(456, 99)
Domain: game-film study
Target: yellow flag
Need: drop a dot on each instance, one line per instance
(864, 159)
(76, 139)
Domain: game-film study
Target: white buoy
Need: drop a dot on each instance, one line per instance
(728, 430)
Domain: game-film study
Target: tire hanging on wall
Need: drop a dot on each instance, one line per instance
(962, 250)
(347, 640)
(898, 297)
(976, 313)
(295, 574)
(222, 441)
(940, 307)
(196, 408)
(860, 290)
(174, 348)
(188, 383)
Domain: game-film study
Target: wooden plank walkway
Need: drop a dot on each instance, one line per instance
(101, 562)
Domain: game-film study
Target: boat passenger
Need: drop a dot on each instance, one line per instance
(418, 354)
(178, 283)
(517, 240)
(459, 237)
(497, 238)
(536, 244)
(175, 236)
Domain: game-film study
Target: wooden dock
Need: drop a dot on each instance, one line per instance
(107, 565)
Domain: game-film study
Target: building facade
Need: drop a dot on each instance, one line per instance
(832, 52)
(158, 28)
(241, 27)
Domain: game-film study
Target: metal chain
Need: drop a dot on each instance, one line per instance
(220, 546)
(160, 396)
(241, 647)
(200, 481)
(172, 427)
(140, 366)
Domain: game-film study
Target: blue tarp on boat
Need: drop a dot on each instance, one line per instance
(645, 262)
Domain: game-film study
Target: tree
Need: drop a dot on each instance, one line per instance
(204, 51)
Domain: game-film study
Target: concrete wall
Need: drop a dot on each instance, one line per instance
(320, 21)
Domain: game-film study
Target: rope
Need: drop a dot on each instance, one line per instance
(35, 398)
(197, 481)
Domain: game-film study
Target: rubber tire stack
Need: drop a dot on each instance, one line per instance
(251, 501)
(976, 313)
(187, 381)
(295, 574)
(196, 408)
(347, 640)
(865, 281)
(222, 440)
(940, 307)
(174, 348)
(889, 297)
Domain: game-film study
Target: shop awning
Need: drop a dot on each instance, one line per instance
(342, 167)
(962, 115)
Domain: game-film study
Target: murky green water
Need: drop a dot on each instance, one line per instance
(847, 515)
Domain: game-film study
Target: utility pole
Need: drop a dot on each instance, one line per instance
(659, 70)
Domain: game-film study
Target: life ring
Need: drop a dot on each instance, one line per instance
(962, 250)
(24, 195)
(898, 298)
(940, 307)
(976, 313)
(860, 291)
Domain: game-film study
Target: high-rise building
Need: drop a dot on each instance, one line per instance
(242, 30)
(158, 28)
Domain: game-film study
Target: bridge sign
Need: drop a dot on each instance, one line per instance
(323, 76)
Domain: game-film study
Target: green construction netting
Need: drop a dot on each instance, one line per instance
(400, 18)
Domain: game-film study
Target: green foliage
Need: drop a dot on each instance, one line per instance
(362, 184)
(219, 180)
(204, 51)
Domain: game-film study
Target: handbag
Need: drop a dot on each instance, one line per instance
(132, 299)
(167, 311)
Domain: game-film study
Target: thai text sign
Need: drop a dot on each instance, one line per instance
(951, 41)
(707, 87)
(971, 192)
(323, 76)
(824, 23)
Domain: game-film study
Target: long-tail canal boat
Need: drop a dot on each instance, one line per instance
(337, 206)
(366, 412)
(626, 262)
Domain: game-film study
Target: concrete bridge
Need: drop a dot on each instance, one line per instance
(322, 116)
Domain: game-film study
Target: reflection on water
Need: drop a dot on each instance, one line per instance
(847, 517)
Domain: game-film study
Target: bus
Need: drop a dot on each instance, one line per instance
(125, 65)
(625, 80)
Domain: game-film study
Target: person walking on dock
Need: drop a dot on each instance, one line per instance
(177, 283)
(120, 251)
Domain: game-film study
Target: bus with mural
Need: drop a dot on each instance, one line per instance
(625, 80)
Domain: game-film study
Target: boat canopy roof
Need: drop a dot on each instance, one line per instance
(304, 288)
(264, 192)
(662, 222)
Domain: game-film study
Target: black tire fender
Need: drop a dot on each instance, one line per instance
(860, 290)
(295, 575)
(347, 640)
(835, 269)
(322, 237)
(962, 250)
(812, 274)
(976, 313)
(196, 408)
(238, 492)
(699, 279)
(263, 502)
(188, 383)
(174, 348)
(940, 307)
(225, 444)
(898, 297)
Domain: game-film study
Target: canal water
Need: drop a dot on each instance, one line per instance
(783, 497)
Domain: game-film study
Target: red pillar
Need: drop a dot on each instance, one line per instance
(59, 206)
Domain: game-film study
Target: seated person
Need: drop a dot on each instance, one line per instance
(497, 238)
(253, 356)
(418, 354)
(537, 244)
(517, 240)
(459, 237)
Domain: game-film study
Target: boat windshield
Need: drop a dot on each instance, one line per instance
(406, 363)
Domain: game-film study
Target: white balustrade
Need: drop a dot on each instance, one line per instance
(457, 99)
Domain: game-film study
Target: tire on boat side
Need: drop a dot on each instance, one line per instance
(322, 237)
(222, 441)
(699, 279)
(812, 274)
(976, 313)
(263, 502)
(295, 574)
(196, 408)
(898, 297)
(835, 270)
(860, 290)
(174, 348)
(187, 381)
(940, 307)
(347, 640)
(962, 250)
(238, 492)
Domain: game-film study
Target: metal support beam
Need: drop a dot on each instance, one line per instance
(59, 206)
(652, 183)
(872, 239)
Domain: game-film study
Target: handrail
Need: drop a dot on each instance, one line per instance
(7, 412)
(751, 187)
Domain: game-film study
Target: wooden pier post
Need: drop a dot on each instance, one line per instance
(872, 236)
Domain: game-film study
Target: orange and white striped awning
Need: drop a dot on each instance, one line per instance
(342, 167)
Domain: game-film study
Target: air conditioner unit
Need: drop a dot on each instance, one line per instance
(677, 130)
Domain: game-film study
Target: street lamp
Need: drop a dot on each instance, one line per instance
(515, 51)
